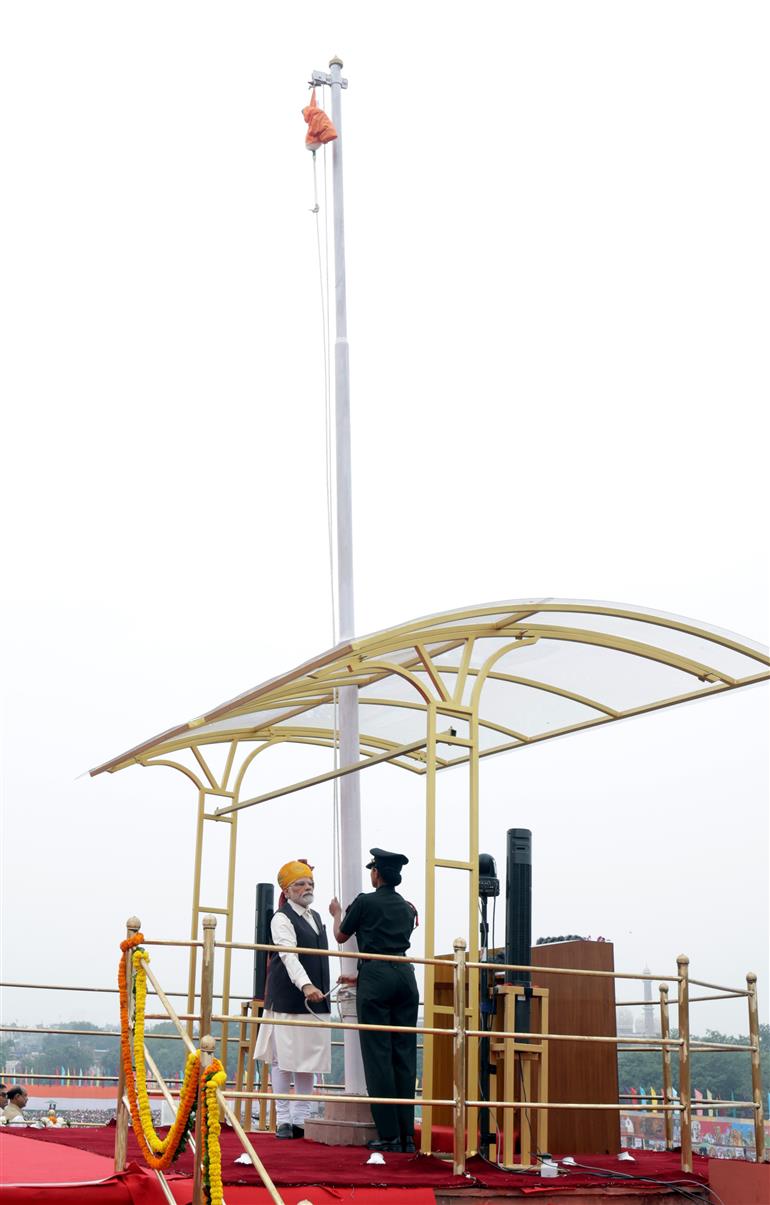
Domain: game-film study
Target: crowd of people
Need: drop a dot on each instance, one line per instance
(15, 1109)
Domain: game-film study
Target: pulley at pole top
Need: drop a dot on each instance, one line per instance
(323, 77)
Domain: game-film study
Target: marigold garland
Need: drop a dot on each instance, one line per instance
(158, 1152)
(213, 1077)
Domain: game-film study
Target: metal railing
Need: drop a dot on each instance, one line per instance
(464, 1098)
(683, 1045)
(652, 1043)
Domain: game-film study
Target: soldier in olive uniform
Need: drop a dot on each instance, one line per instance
(383, 921)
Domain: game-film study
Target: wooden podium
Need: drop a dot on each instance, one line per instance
(547, 1071)
(581, 1071)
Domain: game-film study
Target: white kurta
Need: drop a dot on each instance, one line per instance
(293, 1048)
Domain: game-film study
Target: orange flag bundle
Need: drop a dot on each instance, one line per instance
(319, 126)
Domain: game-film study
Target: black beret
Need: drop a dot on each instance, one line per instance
(384, 857)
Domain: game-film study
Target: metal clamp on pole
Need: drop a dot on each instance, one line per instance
(319, 78)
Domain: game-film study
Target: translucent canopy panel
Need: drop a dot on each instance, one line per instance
(529, 670)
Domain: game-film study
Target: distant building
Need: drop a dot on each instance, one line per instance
(625, 1021)
(650, 1025)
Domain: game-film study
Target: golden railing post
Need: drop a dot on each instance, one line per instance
(458, 1042)
(207, 973)
(474, 978)
(668, 1095)
(226, 963)
(429, 927)
(123, 1116)
(207, 1043)
(193, 963)
(685, 1089)
(208, 1046)
(756, 1070)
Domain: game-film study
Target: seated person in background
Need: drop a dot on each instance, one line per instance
(17, 1100)
(3, 1097)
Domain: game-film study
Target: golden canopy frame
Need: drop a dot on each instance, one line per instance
(441, 691)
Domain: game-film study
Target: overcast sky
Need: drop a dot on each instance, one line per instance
(557, 249)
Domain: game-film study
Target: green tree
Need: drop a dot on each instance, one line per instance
(726, 1074)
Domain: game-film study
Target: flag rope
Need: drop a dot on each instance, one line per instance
(325, 290)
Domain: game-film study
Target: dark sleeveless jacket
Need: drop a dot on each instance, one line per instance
(280, 993)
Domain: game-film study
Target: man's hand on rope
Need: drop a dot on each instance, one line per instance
(313, 994)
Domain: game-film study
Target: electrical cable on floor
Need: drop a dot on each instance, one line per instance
(674, 1185)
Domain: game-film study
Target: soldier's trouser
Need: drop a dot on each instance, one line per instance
(387, 995)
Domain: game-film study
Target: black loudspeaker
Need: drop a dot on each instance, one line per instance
(262, 919)
(518, 903)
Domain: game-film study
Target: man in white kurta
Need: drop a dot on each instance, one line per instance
(296, 987)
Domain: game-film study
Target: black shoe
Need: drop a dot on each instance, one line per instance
(408, 1147)
(297, 1131)
(284, 1131)
(384, 1144)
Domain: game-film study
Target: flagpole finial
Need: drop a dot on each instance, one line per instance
(336, 62)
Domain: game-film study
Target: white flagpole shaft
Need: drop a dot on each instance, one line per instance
(350, 795)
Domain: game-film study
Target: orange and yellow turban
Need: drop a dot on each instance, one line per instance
(292, 871)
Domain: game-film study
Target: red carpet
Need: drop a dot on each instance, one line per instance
(240, 1195)
(68, 1176)
(300, 1162)
(45, 1163)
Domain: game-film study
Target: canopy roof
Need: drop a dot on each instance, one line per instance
(535, 668)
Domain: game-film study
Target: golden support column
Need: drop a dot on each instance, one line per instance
(227, 911)
(756, 1070)
(196, 900)
(228, 933)
(430, 926)
(685, 1087)
(207, 1001)
(207, 973)
(458, 1042)
(208, 1046)
(668, 1116)
(474, 976)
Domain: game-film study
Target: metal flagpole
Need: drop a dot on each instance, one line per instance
(350, 795)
